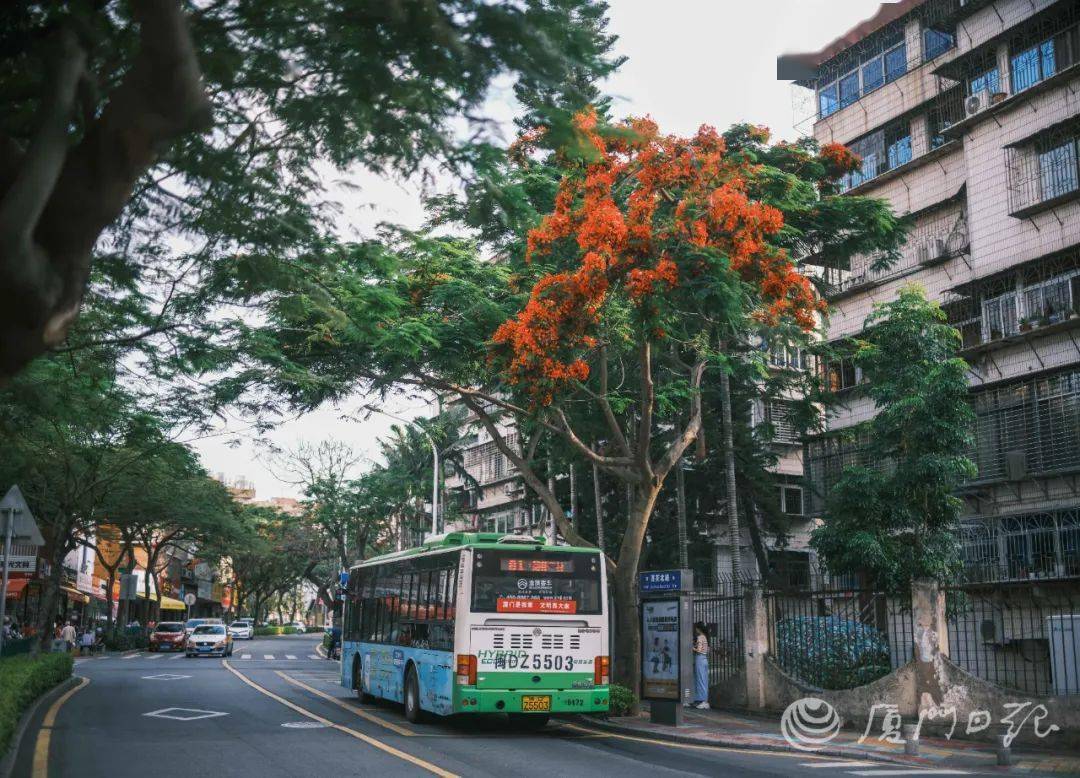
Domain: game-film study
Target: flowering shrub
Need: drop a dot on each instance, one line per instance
(830, 652)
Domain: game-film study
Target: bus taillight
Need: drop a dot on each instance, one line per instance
(601, 670)
(466, 670)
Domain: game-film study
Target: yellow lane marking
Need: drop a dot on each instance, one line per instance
(342, 704)
(703, 746)
(341, 728)
(44, 738)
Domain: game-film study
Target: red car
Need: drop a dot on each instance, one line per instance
(167, 636)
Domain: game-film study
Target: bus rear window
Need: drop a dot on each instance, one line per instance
(517, 581)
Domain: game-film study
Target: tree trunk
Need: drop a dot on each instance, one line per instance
(626, 646)
(757, 538)
(47, 608)
(109, 600)
(729, 466)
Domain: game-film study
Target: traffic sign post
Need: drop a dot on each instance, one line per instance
(189, 600)
(19, 525)
(667, 619)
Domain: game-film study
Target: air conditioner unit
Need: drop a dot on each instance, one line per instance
(933, 250)
(1015, 465)
(976, 102)
(512, 488)
(922, 253)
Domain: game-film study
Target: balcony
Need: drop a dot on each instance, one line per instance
(1036, 546)
(1043, 170)
(936, 237)
(1035, 300)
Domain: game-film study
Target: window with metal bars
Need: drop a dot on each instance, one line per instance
(779, 414)
(1029, 426)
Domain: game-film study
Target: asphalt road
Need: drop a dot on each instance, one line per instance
(276, 709)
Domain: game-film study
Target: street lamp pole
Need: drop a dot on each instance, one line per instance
(434, 465)
(9, 520)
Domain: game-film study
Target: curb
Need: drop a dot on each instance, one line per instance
(831, 751)
(7, 764)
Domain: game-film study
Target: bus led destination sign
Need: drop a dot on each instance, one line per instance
(534, 605)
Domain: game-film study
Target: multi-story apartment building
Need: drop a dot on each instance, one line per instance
(966, 115)
(490, 494)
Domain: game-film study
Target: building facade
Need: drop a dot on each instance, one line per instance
(966, 116)
(486, 492)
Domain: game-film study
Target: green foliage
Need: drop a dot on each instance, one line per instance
(830, 652)
(621, 700)
(270, 631)
(128, 640)
(22, 680)
(894, 515)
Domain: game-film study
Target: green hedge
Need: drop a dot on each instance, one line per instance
(263, 631)
(119, 641)
(621, 700)
(22, 680)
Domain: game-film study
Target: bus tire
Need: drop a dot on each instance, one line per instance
(413, 712)
(529, 720)
(358, 681)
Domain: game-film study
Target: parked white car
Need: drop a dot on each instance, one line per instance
(242, 629)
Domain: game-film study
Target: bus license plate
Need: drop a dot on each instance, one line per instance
(536, 703)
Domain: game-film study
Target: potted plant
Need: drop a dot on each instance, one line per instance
(997, 97)
(1025, 324)
(995, 334)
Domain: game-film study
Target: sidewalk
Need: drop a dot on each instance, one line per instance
(721, 728)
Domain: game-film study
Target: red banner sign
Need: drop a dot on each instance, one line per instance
(534, 605)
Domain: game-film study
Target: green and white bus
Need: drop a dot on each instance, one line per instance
(480, 623)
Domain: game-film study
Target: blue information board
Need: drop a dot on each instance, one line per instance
(660, 581)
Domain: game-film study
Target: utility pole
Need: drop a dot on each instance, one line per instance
(599, 506)
(729, 462)
(680, 499)
(9, 528)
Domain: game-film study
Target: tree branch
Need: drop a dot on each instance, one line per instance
(690, 431)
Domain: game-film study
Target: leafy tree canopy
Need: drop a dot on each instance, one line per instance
(894, 517)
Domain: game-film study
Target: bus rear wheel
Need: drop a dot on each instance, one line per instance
(412, 697)
(529, 720)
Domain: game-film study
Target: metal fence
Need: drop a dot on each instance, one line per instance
(833, 634)
(1020, 635)
(719, 606)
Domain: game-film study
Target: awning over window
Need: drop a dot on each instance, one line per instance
(167, 603)
(74, 594)
(15, 587)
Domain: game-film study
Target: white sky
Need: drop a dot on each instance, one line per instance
(691, 62)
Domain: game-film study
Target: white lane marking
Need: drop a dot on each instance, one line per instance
(164, 677)
(924, 771)
(177, 656)
(839, 764)
(268, 656)
(304, 725)
(314, 656)
(245, 656)
(154, 656)
(290, 656)
(196, 714)
(131, 656)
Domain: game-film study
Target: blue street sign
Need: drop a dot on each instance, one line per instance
(660, 581)
(343, 579)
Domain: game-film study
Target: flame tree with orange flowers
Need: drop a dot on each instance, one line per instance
(633, 267)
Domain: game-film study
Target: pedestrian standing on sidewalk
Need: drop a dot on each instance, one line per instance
(67, 634)
(701, 666)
